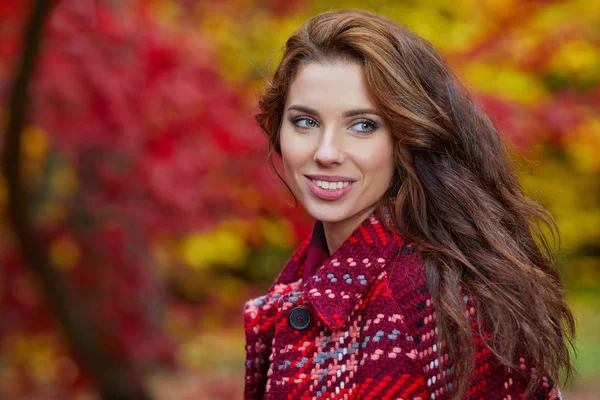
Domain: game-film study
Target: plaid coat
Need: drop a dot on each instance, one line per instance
(360, 324)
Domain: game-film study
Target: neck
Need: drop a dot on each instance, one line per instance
(336, 233)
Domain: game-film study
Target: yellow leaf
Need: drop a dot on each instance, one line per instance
(34, 142)
(64, 253)
(225, 245)
(197, 251)
(505, 81)
(278, 232)
(576, 57)
(584, 146)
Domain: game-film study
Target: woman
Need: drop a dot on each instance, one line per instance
(426, 275)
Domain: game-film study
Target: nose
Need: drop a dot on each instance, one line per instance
(329, 151)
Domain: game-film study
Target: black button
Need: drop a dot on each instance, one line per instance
(299, 318)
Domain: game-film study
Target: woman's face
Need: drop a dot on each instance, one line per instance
(336, 149)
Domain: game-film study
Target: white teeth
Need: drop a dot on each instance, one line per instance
(330, 185)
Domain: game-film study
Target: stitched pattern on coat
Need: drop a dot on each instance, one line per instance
(373, 333)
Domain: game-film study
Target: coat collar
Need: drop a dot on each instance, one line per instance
(341, 280)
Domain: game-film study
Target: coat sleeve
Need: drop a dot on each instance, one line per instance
(489, 379)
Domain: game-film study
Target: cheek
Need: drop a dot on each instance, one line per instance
(377, 161)
(291, 154)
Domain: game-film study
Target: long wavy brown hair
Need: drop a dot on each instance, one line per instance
(454, 192)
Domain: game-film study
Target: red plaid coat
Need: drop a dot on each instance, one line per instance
(360, 324)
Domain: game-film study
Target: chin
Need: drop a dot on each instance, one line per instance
(329, 212)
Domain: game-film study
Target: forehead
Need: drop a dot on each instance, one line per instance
(332, 86)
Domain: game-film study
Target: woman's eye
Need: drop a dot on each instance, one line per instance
(364, 126)
(305, 123)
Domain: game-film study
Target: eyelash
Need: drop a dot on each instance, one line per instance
(373, 124)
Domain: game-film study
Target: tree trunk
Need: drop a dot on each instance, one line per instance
(114, 380)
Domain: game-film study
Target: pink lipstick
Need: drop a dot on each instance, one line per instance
(328, 194)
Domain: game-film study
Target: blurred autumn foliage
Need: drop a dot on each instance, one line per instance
(151, 189)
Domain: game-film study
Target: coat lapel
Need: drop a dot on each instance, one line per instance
(340, 281)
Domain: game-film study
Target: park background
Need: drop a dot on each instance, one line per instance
(159, 215)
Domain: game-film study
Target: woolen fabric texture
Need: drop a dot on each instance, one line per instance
(372, 333)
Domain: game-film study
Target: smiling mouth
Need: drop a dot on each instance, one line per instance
(329, 190)
(329, 185)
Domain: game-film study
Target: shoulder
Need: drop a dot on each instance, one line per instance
(408, 284)
(407, 280)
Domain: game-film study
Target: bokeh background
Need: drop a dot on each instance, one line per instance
(151, 192)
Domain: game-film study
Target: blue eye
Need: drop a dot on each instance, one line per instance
(304, 122)
(365, 126)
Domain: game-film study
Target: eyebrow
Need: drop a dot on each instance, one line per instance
(347, 113)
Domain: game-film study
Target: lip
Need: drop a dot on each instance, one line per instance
(330, 178)
(326, 194)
